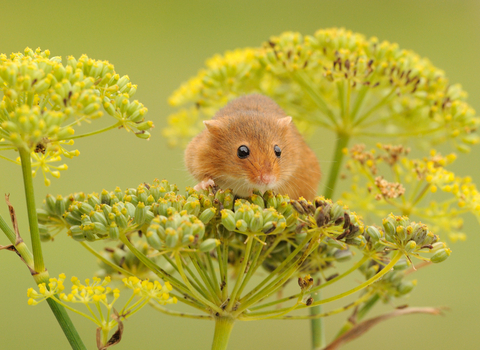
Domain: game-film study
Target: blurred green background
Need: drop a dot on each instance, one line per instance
(160, 44)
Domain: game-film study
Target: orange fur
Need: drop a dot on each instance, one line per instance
(259, 123)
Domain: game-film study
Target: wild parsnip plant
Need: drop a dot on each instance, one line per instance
(44, 102)
(203, 248)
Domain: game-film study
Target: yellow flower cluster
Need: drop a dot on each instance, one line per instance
(44, 101)
(55, 286)
(335, 79)
(150, 290)
(420, 177)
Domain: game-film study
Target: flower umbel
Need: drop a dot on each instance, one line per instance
(415, 180)
(335, 79)
(45, 101)
(98, 292)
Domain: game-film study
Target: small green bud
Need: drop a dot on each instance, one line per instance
(241, 225)
(209, 244)
(336, 212)
(256, 223)
(389, 228)
(97, 216)
(374, 233)
(50, 204)
(401, 233)
(410, 246)
(140, 212)
(228, 219)
(406, 287)
(207, 215)
(171, 238)
(258, 200)
(440, 255)
(153, 239)
(113, 231)
(402, 264)
(228, 201)
(59, 206)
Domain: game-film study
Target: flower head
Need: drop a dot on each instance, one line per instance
(328, 78)
(45, 100)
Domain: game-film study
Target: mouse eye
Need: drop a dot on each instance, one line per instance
(278, 151)
(243, 152)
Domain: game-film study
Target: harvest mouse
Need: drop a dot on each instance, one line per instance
(251, 144)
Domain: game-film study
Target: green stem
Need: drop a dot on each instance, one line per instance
(342, 142)
(223, 329)
(66, 324)
(106, 261)
(39, 265)
(241, 273)
(317, 326)
(95, 132)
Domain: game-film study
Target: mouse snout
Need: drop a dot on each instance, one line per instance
(266, 178)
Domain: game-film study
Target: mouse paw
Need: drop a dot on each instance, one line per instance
(204, 185)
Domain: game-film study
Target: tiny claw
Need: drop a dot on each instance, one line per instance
(204, 185)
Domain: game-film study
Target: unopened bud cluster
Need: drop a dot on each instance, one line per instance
(43, 98)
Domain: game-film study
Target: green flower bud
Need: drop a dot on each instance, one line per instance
(228, 201)
(209, 244)
(401, 265)
(336, 212)
(269, 227)
(71, 219)
(389, 228)
(97, 216)
(241, 225)
(121, 220)
(130, 210)
(153, 239)
(258, 200)
(192, 207)
(171, 238)
(140, 213)
(76, 233)
(228, 219)
(248, 214)
(50, 204)
(198, 229)
(406, 287)
(271, 200)
(437, 246)
(113, 231)
(100, 229)
(410, 246)
(207, 215)
(336, 244)
(93, 200)
(374, 233)
(401, 233)
(440, 255)
(256, 223)
(59, 206)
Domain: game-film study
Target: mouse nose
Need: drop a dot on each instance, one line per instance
(267, 178)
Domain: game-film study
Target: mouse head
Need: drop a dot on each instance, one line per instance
(250, 151)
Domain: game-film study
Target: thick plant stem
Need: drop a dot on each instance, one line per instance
(342, 142)
(66, 324)
(38, 263)
(223, 329)
(31, 210)
(316, 325)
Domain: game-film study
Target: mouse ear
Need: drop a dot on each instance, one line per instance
(212, 125)
(284, 122)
